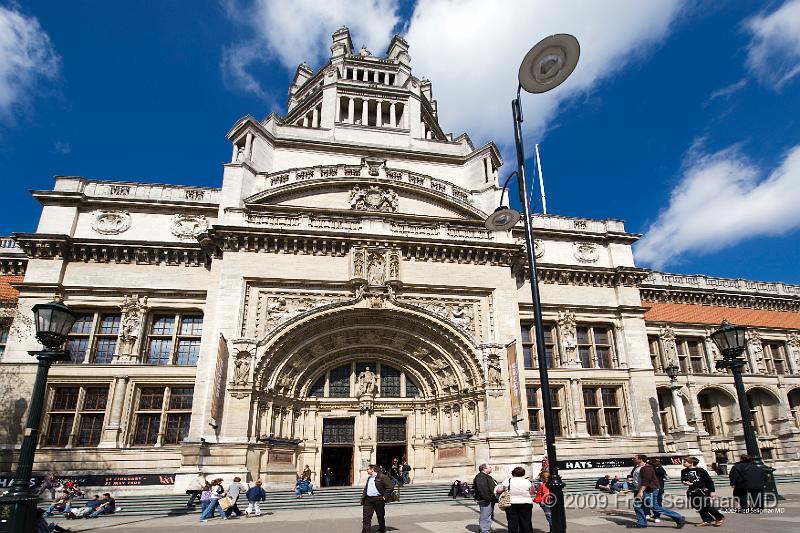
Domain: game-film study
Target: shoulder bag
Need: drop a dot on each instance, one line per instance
(504, 502)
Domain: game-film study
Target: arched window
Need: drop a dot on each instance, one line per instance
(715, 410)
(392, 383)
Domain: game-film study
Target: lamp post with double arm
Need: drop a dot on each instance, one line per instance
(544, 67)
(54, 321)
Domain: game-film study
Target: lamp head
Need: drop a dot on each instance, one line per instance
(672, 370)
(54, 321)
(503, 218)
(730, 339)
(549, 63)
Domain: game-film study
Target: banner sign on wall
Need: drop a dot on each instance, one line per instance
(514, 381)
(220, 374)
(613, 462)
(100, 480)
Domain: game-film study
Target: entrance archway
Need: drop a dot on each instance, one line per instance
(428, 386)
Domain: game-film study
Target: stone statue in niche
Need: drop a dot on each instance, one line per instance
(568, 330)
(394, 265)
(667, 336)
(358, 264)
(241, 368)
(133, 310)
(756, 348)
(366, 383)
(493, 373)
(376, 268)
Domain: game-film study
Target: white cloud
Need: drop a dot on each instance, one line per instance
(721, 200)
(471, 51)
(26, 56)
(62, 147)
(727, 91)
(297, 31)
(773, 54)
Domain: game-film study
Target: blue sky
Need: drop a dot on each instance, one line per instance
(682, 118)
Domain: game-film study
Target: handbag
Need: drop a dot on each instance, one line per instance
(226, 503)
(394, 496)
(504, 502)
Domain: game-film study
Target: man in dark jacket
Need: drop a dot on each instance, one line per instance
(605, 484)
(645, 477)
(377, 490)
(483, 486)
(748, 481)
(699, 490)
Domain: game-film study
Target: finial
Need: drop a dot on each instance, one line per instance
(58, 297)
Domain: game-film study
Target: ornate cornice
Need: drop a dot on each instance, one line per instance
(591, 276)
(64, 247)
(697, 297)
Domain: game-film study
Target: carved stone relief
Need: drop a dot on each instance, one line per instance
(188, 226)
(373, 198)
(133, 310)
(276, 309)
(376, 266)
(586, 252)
(241, 368)
(111, 222)
(462, 314)
(568, 334)
(667, 336)
(756, 349)
(793, 343)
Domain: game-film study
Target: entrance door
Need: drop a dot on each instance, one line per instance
(391, 441)
(340, 460)
(337, 450)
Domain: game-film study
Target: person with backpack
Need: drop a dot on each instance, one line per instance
(483, 488)
(255, 495)
(699, 490)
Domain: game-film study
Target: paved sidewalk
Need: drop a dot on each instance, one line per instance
(585, 514)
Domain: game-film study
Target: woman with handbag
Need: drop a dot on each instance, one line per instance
(217, 493)
(516, 498)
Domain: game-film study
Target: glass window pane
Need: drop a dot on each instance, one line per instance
(151, 398)
(555, 397)
(77, 347)
(83, 324)
(163, 325)
(533, 420)
(339, 386)
(318, 388)
(612, 421)
(192, 325)
(390, 382)
(525, 333)
(583, 335)
(527, 357)
(95, 399)
(59, 428)
(147, 428)
(609, 396)
(530, 394)
(585, 354)
(160, 351)
(181, 398)
(65, 399)
(109, 324)
(177, 428)
(601, 336)
(589, 396)
(188, 351)
(593, 422)
(603, 357)
(412, 391)
(90, 430)
(104, 349)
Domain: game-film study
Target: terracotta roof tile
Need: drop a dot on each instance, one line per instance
(7, 292)
(709, 314)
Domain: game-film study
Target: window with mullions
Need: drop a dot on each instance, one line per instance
(774, 357)
(594, 346)
(602, 410)
(162, 415)
(664, 410)
(528, 335)
(691, 355)
(390, 382)
(656, 357)
(93, 338)
(168, 344)
(535, 414)
(75, 416)
(4, 329)
(339, 384)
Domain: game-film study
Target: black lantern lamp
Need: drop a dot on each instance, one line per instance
(672, 371)
(54, 321)
(730, 340)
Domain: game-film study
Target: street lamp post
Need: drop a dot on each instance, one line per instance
(54, 320)
(677, 403)
(544, 67)
(730, 340)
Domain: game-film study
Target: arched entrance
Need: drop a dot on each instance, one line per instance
(426, 390)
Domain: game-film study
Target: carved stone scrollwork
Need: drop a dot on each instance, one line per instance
(133, 310)
(373, 198)
(111, 222)
(793, 343)
(586, 252)
(276, 309)
(188, 226)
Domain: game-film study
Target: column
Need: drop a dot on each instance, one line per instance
(351, 110)
(248, 146)
(364, 112)
(112, 431)
(305, 121)
(235, 153)
(315, 118)
(339, 109)
(366, 75)
(392, 117)
(378, 113)
(677, 406)
(405, 117)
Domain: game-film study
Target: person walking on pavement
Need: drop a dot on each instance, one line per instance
(406, 472)
(699, 491)
(748, 481)
(520, 513)
(483, 487)
(195, 489)
(373, 499)
(235, 489)
(543, 497)
(217, 492)
(644, 476)
(255, 495)
(662, 476)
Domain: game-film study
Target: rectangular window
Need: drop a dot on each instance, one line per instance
(93, 338)
(664, 411)
(774, 357)
(655, 353)
(535, 413)
(603, 411)
(595, 348)
(4, 329)
(170, 407)
(85, 405)
(528, 335)
(168, 344)
(691, 355)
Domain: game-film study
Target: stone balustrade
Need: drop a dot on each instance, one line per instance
(699, 281)
(138, 191)
(583, 225)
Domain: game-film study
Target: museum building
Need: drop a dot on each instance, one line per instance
(339, 302)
